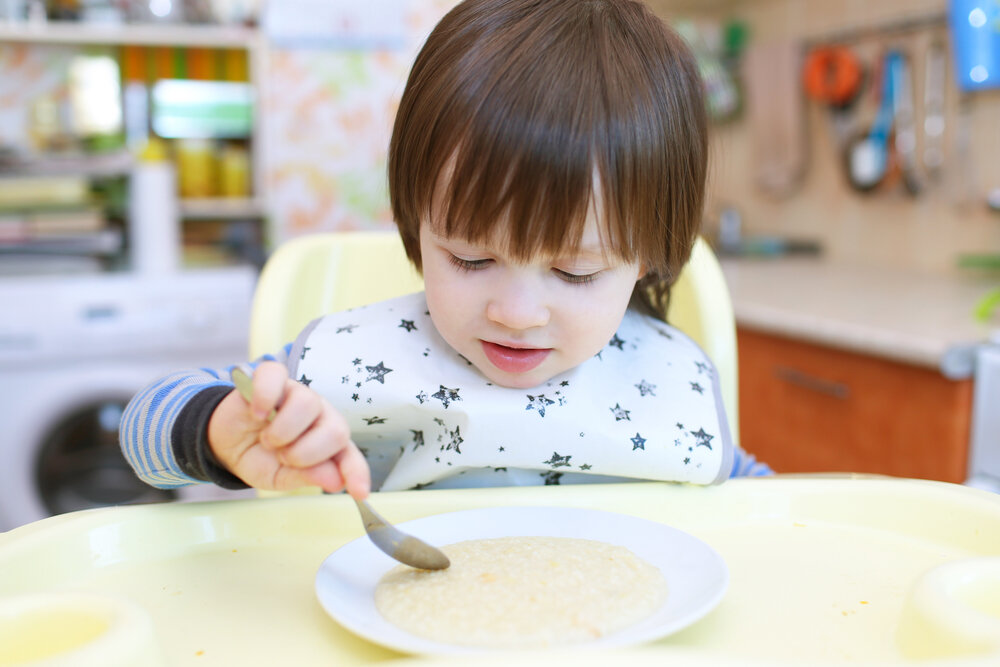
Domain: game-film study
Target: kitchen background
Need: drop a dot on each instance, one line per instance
(858, 230)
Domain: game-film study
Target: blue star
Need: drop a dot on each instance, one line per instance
(539, 403)
(620, 413)
(377, 372)
(638, 442)
(703, 439)
(446, 395)
(557, 461)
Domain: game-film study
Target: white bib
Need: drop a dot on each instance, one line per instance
(647, 406)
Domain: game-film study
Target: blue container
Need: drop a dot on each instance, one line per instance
(975, 33)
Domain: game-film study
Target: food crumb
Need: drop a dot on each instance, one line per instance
(199, 653)
(234, 550)
(796, 524)
(864, 602)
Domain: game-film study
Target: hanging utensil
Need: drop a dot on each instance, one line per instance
(934, 118)
(905, 137)
(868, 155)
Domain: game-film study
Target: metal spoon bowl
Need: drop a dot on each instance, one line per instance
(405, 548)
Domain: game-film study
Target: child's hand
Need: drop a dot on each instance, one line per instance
(307, 443)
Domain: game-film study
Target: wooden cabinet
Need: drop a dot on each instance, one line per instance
(812, 408)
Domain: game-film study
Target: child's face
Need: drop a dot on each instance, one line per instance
(521, 324)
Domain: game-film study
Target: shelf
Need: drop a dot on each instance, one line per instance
(191, 35)
(84, 165)
(222, 208)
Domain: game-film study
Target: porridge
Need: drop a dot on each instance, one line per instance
(520, 592)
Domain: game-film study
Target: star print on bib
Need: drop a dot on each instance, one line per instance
(646, 406)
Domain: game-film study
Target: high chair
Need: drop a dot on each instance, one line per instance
(322, 273)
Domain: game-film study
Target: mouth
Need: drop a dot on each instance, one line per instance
(514, 359)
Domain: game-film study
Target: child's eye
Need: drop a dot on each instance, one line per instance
(577, 278)
(468, 264)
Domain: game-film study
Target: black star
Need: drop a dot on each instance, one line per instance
(680, 426)
(408, 325)
(427, 351)
(355, 397)
(645, 388)
(304, 380)
(446, 395)
(349, 328)
(620, 413)
(345, 379)
(616, 342)
(697, 387)
(564, 383)
(664, 334)
(557, 461)
(374, 420)
(638, 442)
(702, 367)
(687, 460)
(358, 384)
(703, 439)
(456, 440)
(551, 477)
(538, 403)
(356, 362)
(377, 372)
(304, 350)
(501, 449)
(418, 438)
(422, 396)
(585, 466)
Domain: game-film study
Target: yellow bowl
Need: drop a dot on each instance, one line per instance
(953, 610)
(75, 630)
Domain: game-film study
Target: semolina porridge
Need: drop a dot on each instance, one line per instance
(522, 592)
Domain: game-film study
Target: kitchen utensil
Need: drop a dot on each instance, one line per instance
(868, 155)
(905, 138)
(934, 123)
(776, 116)
(405, 548)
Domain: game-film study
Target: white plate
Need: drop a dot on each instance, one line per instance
(696, 575)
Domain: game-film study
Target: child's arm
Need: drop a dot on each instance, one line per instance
(747, 465)
(164, 435)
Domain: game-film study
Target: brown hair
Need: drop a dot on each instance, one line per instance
(517, 112)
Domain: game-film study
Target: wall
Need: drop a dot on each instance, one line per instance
(887, 227)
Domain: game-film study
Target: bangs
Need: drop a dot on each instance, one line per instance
(520, 117)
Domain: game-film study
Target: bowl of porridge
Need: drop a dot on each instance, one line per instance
(525, 578)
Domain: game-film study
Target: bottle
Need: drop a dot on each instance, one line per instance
(154, 213)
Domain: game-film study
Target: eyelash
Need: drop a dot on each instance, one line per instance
(479, 264)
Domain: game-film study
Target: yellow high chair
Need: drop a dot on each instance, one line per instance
(322, 273)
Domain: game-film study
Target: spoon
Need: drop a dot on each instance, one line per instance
(405, 548)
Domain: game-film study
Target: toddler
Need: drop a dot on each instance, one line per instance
(546, 172)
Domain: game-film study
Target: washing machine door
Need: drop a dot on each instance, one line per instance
(59, 440)
(79, 464)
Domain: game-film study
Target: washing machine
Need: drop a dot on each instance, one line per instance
(74, 350)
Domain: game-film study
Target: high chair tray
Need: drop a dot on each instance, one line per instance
(822, 570)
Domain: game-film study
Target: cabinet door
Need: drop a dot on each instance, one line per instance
(810, 408)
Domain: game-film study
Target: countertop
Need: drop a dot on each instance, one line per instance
(910, 316)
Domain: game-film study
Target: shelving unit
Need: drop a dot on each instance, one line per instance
(182, 36)
(187, 35)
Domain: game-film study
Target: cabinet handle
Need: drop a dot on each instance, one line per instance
(812, 383)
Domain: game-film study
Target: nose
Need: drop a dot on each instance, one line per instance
(518, 303)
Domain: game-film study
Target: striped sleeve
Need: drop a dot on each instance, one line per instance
(747, 465)
(147, 427)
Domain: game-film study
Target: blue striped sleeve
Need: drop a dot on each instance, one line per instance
(147, 424)
(747, 465)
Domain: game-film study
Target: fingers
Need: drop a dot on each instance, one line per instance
(270, 380)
